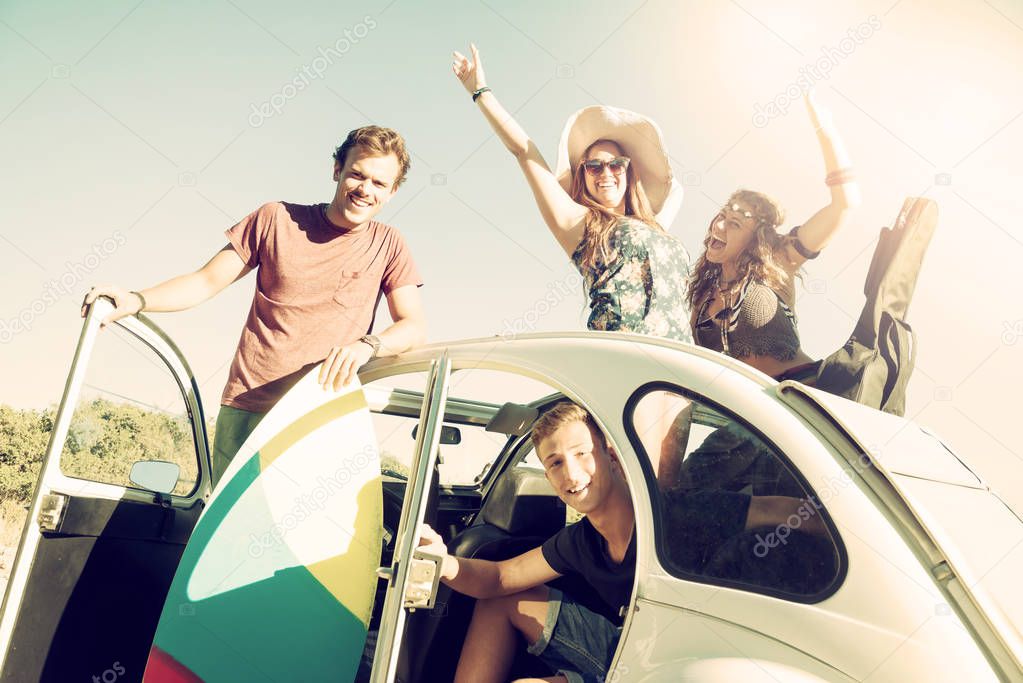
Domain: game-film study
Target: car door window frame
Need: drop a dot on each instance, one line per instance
(653, 489)
(516, 447)
(150, 335)
(385, 656)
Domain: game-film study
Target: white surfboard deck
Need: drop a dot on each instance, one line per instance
(278, 579)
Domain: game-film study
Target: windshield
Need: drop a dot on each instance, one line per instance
(461, 464)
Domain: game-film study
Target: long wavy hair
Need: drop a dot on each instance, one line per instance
(759, 261)
(600, 221)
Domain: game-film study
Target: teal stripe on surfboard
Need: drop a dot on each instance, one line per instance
(262, 613)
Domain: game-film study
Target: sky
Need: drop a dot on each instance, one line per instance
(134, 133)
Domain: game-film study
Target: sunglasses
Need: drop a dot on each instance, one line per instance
(595, 167)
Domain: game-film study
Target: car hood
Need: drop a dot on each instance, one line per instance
(980, 537)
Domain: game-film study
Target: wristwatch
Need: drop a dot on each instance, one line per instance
(373, 341)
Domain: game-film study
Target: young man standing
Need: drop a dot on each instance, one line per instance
(321, 271)
(576, 640)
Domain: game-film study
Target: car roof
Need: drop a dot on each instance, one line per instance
(610, 343)
(899, 445)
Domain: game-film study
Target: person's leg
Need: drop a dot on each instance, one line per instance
(577, 643)
(490, 643)
(233, 427)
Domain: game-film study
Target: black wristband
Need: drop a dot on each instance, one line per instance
(142, 300)
(476, 94)
(798, 246)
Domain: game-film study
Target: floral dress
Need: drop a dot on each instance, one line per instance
(642, 289)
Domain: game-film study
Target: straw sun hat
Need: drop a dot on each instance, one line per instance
(640, 139)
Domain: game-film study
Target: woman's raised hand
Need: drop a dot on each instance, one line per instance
(469, 71)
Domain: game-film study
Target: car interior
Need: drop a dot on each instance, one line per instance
(511, 508)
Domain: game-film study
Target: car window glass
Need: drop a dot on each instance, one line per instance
(730, 510)
(468, 462)
(409, 381)
(130, 410)
(531, 460)
(461, 464)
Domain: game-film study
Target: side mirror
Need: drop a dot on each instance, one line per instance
(155, 475)
(449, 436)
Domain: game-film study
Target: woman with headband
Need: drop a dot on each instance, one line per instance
(742, 291)
(742, 294)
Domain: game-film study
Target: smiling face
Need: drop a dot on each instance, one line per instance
(578, 465)
(731, 232)
(364, 184)
(607, 189)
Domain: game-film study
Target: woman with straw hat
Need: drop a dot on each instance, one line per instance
(607, 205)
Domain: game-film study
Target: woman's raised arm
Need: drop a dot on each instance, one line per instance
(816, 232)
(564, 217)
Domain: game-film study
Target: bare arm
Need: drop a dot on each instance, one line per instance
(784, 511)
(178, 293)
(563, 216)
(673, 448)
(818, 230)
(662, 421)
(486, 579)
(408, 330)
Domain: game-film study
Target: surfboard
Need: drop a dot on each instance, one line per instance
(278, 579)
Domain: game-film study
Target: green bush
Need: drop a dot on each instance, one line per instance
(103, 441)
(23, 438)
(106, 438)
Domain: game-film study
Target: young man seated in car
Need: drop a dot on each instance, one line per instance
(575, 640)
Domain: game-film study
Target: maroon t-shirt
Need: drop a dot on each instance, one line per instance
(317, 287)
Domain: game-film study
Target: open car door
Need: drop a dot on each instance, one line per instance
(124, 478)
(411, 578)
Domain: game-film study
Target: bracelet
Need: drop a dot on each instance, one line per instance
(142, 299)
(798, 246)
(476, 94)
(840, 177)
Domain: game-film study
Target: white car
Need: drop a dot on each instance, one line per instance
(914, 578)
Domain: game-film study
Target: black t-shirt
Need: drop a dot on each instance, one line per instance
(580, 549)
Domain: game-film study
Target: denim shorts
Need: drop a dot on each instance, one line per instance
(576, 642)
